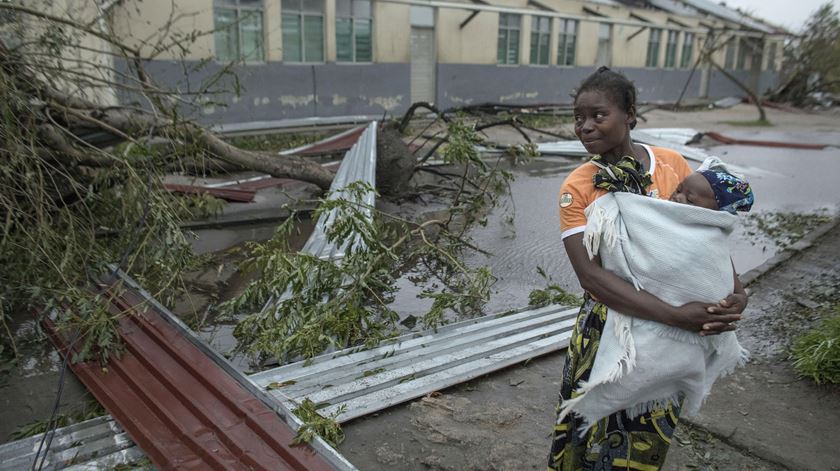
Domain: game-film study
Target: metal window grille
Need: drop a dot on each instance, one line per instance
(655, 39)
(303, 30)
(731, 46)
(239, 29)
(771, 57)
(353, 31)
(567, 42)
(540, 39)
(508, 43)
(671, 49)
(687, 50)
(604, 54)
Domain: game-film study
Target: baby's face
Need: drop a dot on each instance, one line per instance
(696, 191)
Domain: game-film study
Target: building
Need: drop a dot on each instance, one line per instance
(306, 58)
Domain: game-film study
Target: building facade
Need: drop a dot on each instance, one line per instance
(324, 58)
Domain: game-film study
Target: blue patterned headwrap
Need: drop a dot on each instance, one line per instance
(731, 193)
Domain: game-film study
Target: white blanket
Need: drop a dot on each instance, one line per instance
(680, 254)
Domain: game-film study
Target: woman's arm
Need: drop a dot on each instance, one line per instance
(620, 295)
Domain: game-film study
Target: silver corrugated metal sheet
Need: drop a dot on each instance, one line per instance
(359, 164)
(671, 138)
(726, 13)
(366, 381)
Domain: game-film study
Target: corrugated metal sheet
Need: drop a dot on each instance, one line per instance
(366, 381)
(185, 405)
(359, 164)
(177, 404)
(727, 13)
(227, 194)
(650, 137)
(330, 145)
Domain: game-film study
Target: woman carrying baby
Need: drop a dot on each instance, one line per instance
(604, 113)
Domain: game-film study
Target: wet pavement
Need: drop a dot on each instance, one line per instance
(522, 235)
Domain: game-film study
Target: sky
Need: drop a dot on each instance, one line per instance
(788, 13)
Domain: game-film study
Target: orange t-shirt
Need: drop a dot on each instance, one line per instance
(667, 169)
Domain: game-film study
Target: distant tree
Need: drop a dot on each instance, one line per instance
(812, 60)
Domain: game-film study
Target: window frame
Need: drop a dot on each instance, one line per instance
(688, 44)
(772, 51)
(563, 42)
(653, 53)
(671, 49)
(353, 18)
(730, 53)
(540, 36)
(237, 7)
(302, 14)
(608, 41)
(504, 26)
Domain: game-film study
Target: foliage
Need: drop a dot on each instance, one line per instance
(812, 62)
(316, 424)
(70, 209)
(86, 411)
(782, 228)
(551, 294)
(816, 353)
(322, 304)
(274, 142)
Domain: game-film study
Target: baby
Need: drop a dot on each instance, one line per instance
(714, 186)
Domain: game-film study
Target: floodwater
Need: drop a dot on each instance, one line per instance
(784, 180)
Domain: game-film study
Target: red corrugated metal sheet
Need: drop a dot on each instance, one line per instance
(227, 194)
(332, 145)
(180, 407)
(750, 142)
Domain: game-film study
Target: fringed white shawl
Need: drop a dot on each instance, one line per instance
(678, 253)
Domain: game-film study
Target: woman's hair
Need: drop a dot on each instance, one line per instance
(618, 88)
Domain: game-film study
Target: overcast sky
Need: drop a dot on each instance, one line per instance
(788, 13)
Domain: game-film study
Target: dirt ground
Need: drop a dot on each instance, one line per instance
(761, 418)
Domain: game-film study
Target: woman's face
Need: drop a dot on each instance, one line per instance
(599, 123)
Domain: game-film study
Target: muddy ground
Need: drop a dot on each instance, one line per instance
(503, 421)
(761, 418)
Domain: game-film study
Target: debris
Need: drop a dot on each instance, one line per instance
(728, 102)
(227, 194)
(810, 304)
(753, 142)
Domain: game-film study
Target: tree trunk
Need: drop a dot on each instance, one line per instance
(394, 163)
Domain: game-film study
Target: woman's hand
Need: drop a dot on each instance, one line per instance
(733, 304)
(707, 319)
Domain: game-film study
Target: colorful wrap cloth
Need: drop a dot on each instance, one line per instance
(628, 175)
(732, 192)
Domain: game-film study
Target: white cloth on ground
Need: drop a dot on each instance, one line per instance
(679, 253)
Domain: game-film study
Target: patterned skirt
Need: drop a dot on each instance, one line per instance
(615, 442)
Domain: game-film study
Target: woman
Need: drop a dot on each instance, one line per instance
(604, 113)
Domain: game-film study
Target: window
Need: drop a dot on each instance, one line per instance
(508, 45)
(742, 54)
(353, 30)
(303, 30)
(729, 63)
(671, 49)
(568, 42)
(604, 55)
(238, 32)
(653, 48)
(771, 57)
(540, 39)
(687, 51)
